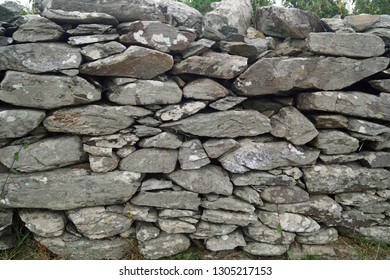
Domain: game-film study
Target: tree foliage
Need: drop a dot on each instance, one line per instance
(323, 8)
(374, 7)
(204, 6)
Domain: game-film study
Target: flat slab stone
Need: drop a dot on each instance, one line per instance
(175, 226)
(226, 124)
(262, 233)
(289, 222)
(379, 233)
(39, 57)
(180, 111)
(218, 147)
(321, 237)
(19, 122)
(362, 22)
(46, 91)
(101, 50)
(134, 62)
(103, 163)
(226, 242)
(227, 103)
(249, 195)
(277, 75)
(165, 140)
(376, 159)
(264, 249)
(205, 229)
(168, 199)
(228, 217)
(332, 142)
(91, 39)
(65, 189)
(366, 127)
(76, 17)
(164, 245)
(329, 121)
(357, 199)
(146, 231)
(261, 178)
(204, 89)
(192, 155)
(44, 223)
(383, 85)
(281, 195)
(91, 29)
(231, 203)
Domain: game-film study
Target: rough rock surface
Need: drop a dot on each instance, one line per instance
(75, 17)
(168, 199)
(227, 217)
(164, 245)
(101, 50)
(17, 123)
(281, 195)
(262, 233)
(204, 89)
(227, 203)
(177, 112)
(44, 223)
(264, 249)
(205, 229)
(289, 222)
(321, 237)
(226, 242)
(175, 226)
(217, 147)
(192, 155)
(165, 140)
(332, 142)
(260, 178)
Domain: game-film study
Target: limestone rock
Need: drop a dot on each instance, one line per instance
(205, 229)
(177, 112)
(226, 242)
(249, 195)
(336, 25)
(286, 22)
(260, 178)
(346, 44)
(362, 22)
(226, 124)
(46, 154)
(164, 245)
(383, 85)
(227, 103)
(42, 222)
(46, 91)
(212, 64)
(329, 121)
(39, 57)
(192, 155)
(357, 199)
(150, 160)
(175, 226)
(165, 140)
(277, 75)
(379, 233)
(103, 164)
(292, 125)
(332, 142)
(91, 29)
(230, 203)
(168, 199)
(264, 249)
(204, 89)
(218, 147)
(289, 222)
(267, 156)
(146, 131)
(141, 213)
(134, 62)
(262, 233)
(228, 217)
(366, 127)
(332, 159)
(91, 39)
(17, 123)
(321, 237)
(75, 17)
(331, 179)
(146, 231)
(282, 195)
(376, 159)
(64, 189)
(208, 179)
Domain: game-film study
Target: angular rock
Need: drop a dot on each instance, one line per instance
(42, 222)
(91, 119)
(287, 22)
(212, 64)
(383, 33)
(346, 44)
(376, 208)
(249, 195)
(175, 226)
(145, 92)
(141, 213)
(227, 217)
(49, 153)
(165, 140)
(39, 57)
(322, 251)
(381, 143)
(264, 249)
(384, 193)
(154, 184)
(351, 103)
(98, 151)
(259, 178)
(150, 160)
(268, 106)
(17, 123)
(204, 89)
(292, 125)
(134, 62)
(226, 242)
(198, 47)
(92, 29)
(332, 159)
(332, 142)
(329, 121)
(366, 127)
(262, 233)
(228, 124)
(353, 219)
(91, 39)
(218, 147)
(321, 237)
(164, 245)
(71, 247)
(333, 179)
(336, 25)
(282, 195)
(357, 199)
(46, 91)
(227, 103)
(146, 131)
(379, 233)
(208, 179)
(168, 199)
(376, 159)
(362, 22)
(177, 112)
(146, 231)
(206, 229)
(383, 85)
(99, 51)
(267, 156)
(230, 203)
(192, 155)
(118, 140)
(5, 41)
(289, 222)
(6, 216)
(38, 29)
(125, 151)
(103, 164)
(150, 121)
(241, 49)
(75, 17)
(10, 11)
(277, 75)
(64, 189)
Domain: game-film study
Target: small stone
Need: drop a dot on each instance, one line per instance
(204, 89)
(146, 131)
(177, 112)
(379, 233)
(146, 231)
(141, 213)
(175, 226)
(228, 217)
(192, 155)
(98, 151)
(259, 178)
(383, 85)
(205, 229)
(101, 50)
(262, 233)
(102, 164)
(357, 199)
(91, 29)
(164, 245)
(16, 123)
(264, 249)
(154, 184)
(289, 222)
(117, 141)
(230, 203)
(164, 140)
(125, 151)
(376, 159)
(332, 142)
(366, 127)
(321, 237)
(218, 147)
(227, 103)
(336, 25)
(249, 195)
(198, 48)
(168, 199)
(329, 121)
(332, 159)
(149, 121)
(241, 49)
(43, 222)
(282, 195)
(226, 242)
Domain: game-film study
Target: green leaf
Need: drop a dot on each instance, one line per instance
(279, 228)
(281, 210)
(13, 170)
(16, 156)
(25, 146)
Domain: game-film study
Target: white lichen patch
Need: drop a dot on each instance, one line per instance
(139, 38)
(10, 119)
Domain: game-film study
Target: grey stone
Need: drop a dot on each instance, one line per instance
(64, 189)
(384, 193)
(332, 142)
(383, 33)
(218, 147)
(227, 103)
(71, 247)
(366, 127)
(241, 49)
(164, 140)
(164, 245)
(17, 123)
(146, 231)
(286, 22)
(333, 179)
(376, 159)
(134, 62)
(38, 29)
(103, 164)
(5, 41)
(125, 151)
(359, 104)
(383, 85)
(289, 222)
(264, 249)
(321, 237)
(154, 34)
(198, 47)
(353, 219)
(175, 226)
(98, 223)
(357, 199)
(75, 17)
(226, 124)
(213, 34)
(380, 143)
(168, 199)
(294, 172)
(39, 57)
(91, 29)
(336, 25)
(379, 233)
(145, 92)
(43, 222)
(192, 155)
(362, 22)
(208, 179)
(177, 112)
(346, 44)
(46, 154)
(226, 242)
(292, 125)
(10, 11)
(141, 213)
(46, 91)
(151, 160)
(204, 89)
(212, 64)
(150, 121)
(230, 203)
(91, 119)
(268, 106)
(138, 10)
(237, 14)
(329, 121)
(146, 131)
(332, 159)
(205, 229)
(375, 208)
(6, 215)
(7, 238)
(228, 217)
(259, 178)
(322, 251)
(282, 195)
(91, 39)
(249, 195)
(278, 75)
(177, 213)
(98, 151)
(267, 156)
(155, 184)
(118, 140)
(98, 50)
(262, 233)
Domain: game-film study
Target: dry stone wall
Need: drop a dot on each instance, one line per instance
(144, 119)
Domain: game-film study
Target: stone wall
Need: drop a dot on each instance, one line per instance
(143, 119)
